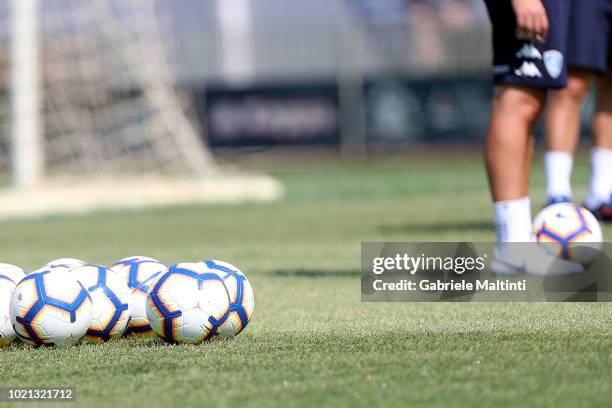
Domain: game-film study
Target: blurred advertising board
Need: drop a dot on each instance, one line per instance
(276, 115)
(422, 111)
(395, 112)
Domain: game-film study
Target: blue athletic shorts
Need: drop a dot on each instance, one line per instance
(589, 42)
(520, 62)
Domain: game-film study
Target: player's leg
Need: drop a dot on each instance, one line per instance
(599, 55)
(602, 121)
(599, 196)
(589, 47)
(530, 148)
(562, 133)
(522, 78)
(508, 154)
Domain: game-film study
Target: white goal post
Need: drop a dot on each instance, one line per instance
(93, 98)
(25, 95)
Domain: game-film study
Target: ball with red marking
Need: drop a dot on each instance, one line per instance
(570, 231)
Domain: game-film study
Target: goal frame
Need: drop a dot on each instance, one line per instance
(26, 93)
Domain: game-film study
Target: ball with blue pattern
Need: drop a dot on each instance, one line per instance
(140, 274)
(12, 272)
(187, 304)
(569, 231)
(110, 297)
(242, 300)
(66, 263)
(8, 282)
(50, 307)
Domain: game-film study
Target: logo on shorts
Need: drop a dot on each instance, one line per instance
(529, 51)
(528, 69)
(553, 61)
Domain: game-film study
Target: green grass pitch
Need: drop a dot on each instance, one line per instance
(311, 340)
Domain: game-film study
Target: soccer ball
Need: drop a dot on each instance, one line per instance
(139, 273)
(7, 334)
(11, 272)
(570, 231)
(50, 307)
(67, 263)
(10, 276)
(130, 259)
(187, 304)
(242, 301)
(110, 297)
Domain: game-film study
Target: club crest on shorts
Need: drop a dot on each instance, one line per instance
(553, 61)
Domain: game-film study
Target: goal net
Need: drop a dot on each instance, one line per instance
(91, 115)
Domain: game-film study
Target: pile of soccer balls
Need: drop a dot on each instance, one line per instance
(67, 301)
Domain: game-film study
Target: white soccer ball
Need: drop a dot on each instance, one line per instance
(187, 304)
(242, 300)
(7, 334)
(134, 258)
(139, 273)
(50, 308)
(66, 263)
(570, 231)
(110, 297)
(12, 272)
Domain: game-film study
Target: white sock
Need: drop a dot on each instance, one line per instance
(513, 220)
(558, 166)
(600, 186)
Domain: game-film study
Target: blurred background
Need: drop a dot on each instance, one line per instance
(347, 73)
(149, 86)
